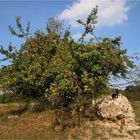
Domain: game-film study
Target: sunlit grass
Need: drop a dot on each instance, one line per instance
(34, 125)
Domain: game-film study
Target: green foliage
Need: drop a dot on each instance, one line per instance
(22, 33)
(55, 67)
(53, 26)
(6, 98)
(133, 92)
(89, 25)
(41, 105)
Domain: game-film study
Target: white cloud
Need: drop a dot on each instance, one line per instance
(110, 12)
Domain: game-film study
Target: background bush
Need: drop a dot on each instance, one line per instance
(133, 92)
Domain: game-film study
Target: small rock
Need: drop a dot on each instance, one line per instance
(13, 116)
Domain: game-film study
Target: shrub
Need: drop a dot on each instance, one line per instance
(6, 98)
(40, 106)
(133, 92)
(53, 66)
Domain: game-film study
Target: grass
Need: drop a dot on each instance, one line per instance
(28, 125)
(136, 107)
(31, 125)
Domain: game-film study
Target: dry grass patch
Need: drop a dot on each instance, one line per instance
(27, 126)
(31, 125)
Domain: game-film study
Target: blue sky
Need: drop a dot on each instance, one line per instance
(116, 18)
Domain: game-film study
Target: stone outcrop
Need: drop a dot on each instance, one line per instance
(116, 109)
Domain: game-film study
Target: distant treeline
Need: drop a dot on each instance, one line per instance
(132, 92)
